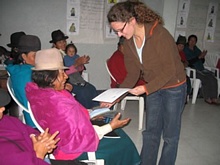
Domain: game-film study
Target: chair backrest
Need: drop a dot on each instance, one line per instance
(85, 76)
(11, 92)
(191, 73)
(110, 74)
(33, 119)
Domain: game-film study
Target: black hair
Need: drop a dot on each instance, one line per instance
(71, 45)
(192, 36)
(45, 78)
(17, 57)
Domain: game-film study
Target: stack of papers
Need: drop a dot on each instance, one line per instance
(111, 95)
(96, 112)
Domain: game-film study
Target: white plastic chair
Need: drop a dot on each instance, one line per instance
(21, 107)
(85, 76)
(124, 100)
(91, 155)
(195, 83)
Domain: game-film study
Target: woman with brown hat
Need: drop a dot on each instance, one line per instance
(57, 109)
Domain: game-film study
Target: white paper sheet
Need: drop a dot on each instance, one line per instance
(111, 95)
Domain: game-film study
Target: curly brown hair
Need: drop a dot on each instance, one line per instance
(123, 11)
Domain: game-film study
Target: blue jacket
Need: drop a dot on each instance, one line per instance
(20, 75)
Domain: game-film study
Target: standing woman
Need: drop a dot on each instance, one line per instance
(150, 53)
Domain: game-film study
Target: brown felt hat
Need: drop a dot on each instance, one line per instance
(49, 59)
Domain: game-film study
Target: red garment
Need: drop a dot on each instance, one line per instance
(183, 56)
(117, 68)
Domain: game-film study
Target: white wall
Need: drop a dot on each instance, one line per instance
(41, 17)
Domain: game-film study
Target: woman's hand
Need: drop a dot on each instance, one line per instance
(44, 143)
(106, 105)
(117, 123)
(139, 90)
(68, 87)
(82, 60)
(109, 105)
(203, 54)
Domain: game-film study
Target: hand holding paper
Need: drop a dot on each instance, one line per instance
(111, 95)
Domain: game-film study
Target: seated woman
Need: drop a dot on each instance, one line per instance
(84, 94)
(21, 144)
(117, 67)
(196, 58)
(20, 70)
(57, 109)
(84, 91)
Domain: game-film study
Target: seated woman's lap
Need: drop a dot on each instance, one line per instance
(85, 94)
(117, 151)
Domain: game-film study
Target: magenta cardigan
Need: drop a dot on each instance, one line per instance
(15, 143)
(59, 111)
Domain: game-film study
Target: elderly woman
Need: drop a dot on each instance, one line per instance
(57, 109)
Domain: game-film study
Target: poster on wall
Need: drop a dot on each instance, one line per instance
(109, 33)
(211, 22)
(183, 12)
(72, 17)
(84, 21)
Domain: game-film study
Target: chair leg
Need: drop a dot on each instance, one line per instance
(196, 85)
(219, 87)
(123, 103)
(141, 113)
(115, 106)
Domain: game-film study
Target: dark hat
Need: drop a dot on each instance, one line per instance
(29, 43)
(57, 35)
(181, 40)
(4, 98)
(15, 39)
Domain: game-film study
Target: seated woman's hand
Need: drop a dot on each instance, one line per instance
(44, 143)
(106, 105)
(68, 87)
(109, 105)
(117, 123)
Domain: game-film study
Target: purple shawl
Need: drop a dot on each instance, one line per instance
(59, 111)
(15, 143)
